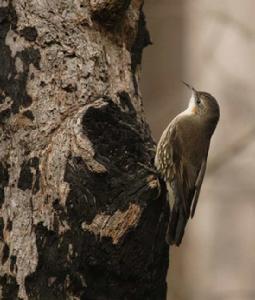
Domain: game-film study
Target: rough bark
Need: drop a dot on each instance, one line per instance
(81, 217)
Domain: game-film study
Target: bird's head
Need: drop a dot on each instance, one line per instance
(204, 106)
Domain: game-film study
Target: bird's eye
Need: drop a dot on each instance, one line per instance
(198, 101)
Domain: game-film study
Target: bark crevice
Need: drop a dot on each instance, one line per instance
(109, 12)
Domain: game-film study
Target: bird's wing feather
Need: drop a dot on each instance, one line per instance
(169, 162)
(198, 185)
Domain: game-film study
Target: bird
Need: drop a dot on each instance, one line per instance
(181, 158)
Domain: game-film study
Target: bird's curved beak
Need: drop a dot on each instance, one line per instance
(192, 104)
(190, 87)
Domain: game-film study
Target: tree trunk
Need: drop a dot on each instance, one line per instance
(81, 215)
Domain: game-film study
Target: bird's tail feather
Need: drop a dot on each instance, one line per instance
(176, 226)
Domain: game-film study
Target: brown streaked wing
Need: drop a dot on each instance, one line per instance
(178, 173)
(198, 185)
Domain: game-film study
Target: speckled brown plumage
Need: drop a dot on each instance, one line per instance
(181, 159)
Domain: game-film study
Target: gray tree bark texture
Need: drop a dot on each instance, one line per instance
(81, 217)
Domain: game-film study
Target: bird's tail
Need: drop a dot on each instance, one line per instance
(176, 226)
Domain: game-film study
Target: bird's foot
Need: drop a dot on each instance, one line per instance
(151, 170)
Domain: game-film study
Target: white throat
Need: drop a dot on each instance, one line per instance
(190, 110)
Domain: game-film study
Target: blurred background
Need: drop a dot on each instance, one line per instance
(210, 44)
